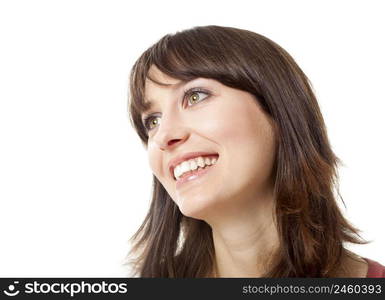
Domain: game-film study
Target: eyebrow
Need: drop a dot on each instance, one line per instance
(167, 84)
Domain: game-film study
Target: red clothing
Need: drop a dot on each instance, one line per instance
(375, 270)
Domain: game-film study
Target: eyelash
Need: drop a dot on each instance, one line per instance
(186, 94)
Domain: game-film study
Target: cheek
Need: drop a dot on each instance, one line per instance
(237, 126)
(246, 138)
(154, 160)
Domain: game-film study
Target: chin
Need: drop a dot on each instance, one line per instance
(193, 207)
(197, 207)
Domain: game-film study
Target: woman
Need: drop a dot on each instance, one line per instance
(243, 170)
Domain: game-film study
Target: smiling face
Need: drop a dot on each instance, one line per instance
(215, 119)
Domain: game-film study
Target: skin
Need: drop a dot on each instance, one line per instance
(236, 197)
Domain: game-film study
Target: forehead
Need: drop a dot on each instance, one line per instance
(154, 75)
(156, 79)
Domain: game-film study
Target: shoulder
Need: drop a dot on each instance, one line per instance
(375, 269)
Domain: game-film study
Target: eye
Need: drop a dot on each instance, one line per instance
(195, 95)
(151, 122)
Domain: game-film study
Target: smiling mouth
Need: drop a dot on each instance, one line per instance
(194, 166)
(192, 176)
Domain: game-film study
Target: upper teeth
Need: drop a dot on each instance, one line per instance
(193, 164)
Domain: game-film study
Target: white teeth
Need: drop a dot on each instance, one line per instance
(177, 171)
(193, 164)
(207, 161)
(185, 167)
(200, 161)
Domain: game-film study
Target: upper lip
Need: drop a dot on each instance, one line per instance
(177, 160)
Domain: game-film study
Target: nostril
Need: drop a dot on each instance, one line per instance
(170, 143)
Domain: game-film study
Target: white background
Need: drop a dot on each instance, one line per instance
(74, 178)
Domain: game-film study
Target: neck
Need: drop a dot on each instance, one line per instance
(245, 238)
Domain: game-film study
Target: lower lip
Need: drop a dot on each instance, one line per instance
(194, 175)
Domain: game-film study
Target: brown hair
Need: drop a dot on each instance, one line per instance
(311, 227)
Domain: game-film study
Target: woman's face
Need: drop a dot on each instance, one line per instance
(222, 122)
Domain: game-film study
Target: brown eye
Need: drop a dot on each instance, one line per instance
(151, 122)
(195, 96)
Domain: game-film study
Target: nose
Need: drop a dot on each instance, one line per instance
(170, 133)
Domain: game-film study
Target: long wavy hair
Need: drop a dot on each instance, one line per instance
(312, 229)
